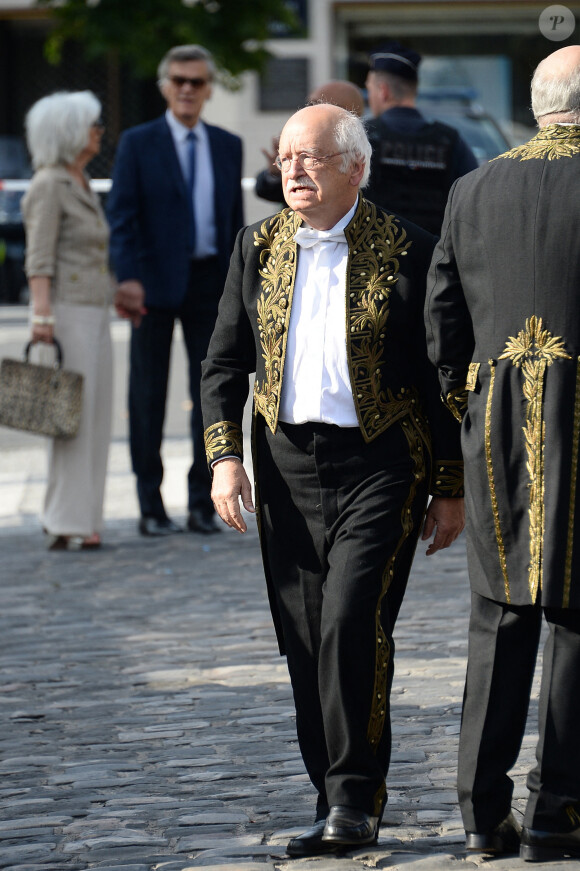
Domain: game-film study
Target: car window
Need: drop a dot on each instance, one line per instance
(14, 162)
(483, 137)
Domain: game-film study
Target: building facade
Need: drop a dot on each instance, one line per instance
(487, 46)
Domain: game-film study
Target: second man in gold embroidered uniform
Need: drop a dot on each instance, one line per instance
(324, 303)
(503, 324)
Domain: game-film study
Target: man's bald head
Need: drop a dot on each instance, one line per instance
(341, 130)
(340, 93)
(556, 87)
(324, 158)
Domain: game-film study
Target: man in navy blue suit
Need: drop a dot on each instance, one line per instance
(175, 208)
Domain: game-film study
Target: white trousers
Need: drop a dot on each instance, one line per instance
(77, 467)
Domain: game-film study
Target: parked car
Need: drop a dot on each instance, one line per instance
(14, 164)
(459, 108)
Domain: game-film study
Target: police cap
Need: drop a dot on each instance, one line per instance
(394, 58)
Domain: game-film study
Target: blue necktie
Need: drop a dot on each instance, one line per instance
(191, 144)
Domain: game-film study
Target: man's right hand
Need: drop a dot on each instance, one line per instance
(230, 482)
(129, 301)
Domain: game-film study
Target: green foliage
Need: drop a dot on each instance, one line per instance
(141, 31)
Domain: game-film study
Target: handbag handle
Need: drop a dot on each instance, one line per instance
(59, 354)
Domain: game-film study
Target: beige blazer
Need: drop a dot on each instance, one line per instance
(67, 238)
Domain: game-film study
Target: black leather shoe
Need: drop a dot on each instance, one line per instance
(539, 846)
(310, 842)
(158, 526)
(505, 838)
(346, 825)
(199, 521)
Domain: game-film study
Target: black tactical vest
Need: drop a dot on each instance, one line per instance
(410, 172)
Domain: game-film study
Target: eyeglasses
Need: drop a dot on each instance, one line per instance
(180, 81)
(99, 124)
(306, 161)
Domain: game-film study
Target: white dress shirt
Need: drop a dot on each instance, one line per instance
(316, 385)
(203, 185)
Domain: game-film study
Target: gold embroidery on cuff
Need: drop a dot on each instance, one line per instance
(223, 438)
(448, 478)
(573, 476)
(456, 402)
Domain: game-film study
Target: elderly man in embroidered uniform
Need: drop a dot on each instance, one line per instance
(324, 302)
(503, 324)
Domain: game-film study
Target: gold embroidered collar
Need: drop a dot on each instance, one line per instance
(552, 142)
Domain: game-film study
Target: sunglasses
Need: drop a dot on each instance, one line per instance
(180, 81)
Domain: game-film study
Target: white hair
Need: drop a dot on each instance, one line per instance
(182, 54)
(556, 94)
(58, 127)
(352, 140)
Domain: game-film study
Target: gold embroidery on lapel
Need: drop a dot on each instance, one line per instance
(376, 243)
(278, 272)
(533, 350)
(491, 484)
(573, 477)
(223, 438)
(552, 142)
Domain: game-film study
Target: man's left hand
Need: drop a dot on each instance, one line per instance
(129, 301)
(445, 517)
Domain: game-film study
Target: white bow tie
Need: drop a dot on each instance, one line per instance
(307, 237)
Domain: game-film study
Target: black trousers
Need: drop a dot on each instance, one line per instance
(503, 645)
(148, 379)
(340, 520)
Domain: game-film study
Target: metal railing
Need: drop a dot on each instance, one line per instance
(100, 185)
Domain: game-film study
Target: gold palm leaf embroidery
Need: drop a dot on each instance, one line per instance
(534, 341)
(222, 438)
(533, 350)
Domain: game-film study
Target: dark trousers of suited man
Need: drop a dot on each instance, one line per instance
(150, 365)
(340, 526)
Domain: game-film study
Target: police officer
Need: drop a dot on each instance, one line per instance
(415, 161)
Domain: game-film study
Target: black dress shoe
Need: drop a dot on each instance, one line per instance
(310, 842)
(200, 521)
(346, 825)
(539, 846)
(158, 526)
(505, 838)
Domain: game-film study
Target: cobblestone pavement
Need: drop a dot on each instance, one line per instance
(147, 720)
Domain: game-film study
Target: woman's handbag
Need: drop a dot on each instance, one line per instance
(46, 400)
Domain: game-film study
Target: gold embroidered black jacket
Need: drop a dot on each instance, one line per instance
(503, 326)
(392, 379)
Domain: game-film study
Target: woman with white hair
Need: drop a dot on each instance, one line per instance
(67, 267)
